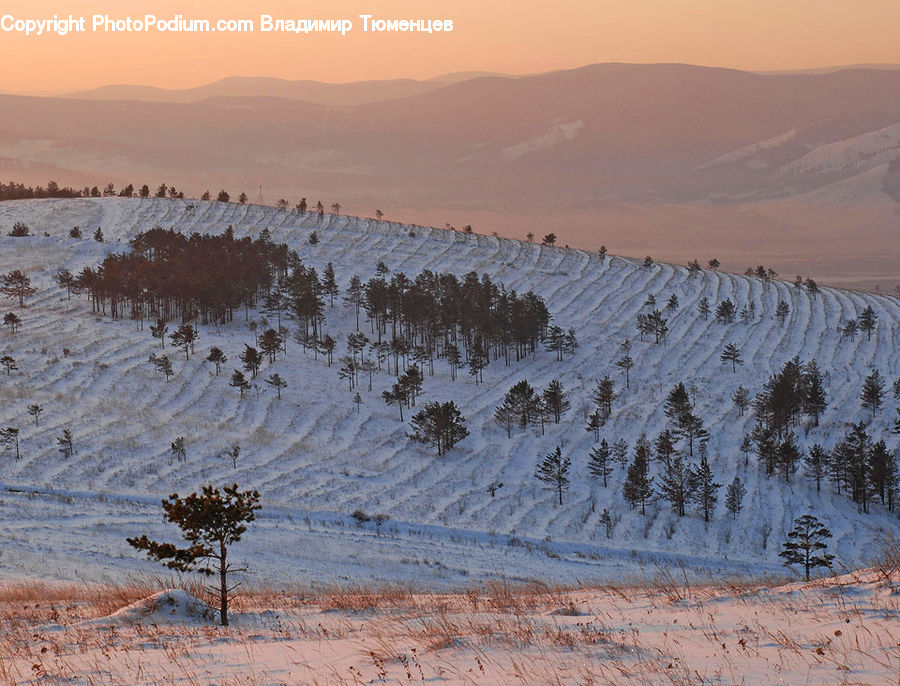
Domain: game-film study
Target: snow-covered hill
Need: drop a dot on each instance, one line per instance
(315, 459)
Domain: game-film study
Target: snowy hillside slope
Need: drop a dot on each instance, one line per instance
(315, 459)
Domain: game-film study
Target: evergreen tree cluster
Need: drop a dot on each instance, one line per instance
(167, 274)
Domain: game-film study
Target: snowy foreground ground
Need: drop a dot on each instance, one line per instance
(843, 630)
(315, 459)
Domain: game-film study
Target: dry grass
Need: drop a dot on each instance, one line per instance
(667, 631)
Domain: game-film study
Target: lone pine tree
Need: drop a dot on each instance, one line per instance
(805, 545)
(210, 522)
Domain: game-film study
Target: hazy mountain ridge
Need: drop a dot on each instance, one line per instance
(593, 152)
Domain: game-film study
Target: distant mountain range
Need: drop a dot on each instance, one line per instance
(675, 160)
(355, 93)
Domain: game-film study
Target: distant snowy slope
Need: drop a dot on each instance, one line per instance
(312, 452)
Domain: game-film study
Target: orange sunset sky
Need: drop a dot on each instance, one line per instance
(506, 36)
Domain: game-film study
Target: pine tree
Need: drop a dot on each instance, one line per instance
(10, 436)
(556, 341)
(734, 497)
(732, 354)
(12, 320)
(522, 404)
(836, 466)
(599, 462)
(9, 362)
(606, 521)
(553, 470)
(348, 371)
(703, 307)
(357, 400)
(867, 321)
(159, 331)
(746, 447)
(620, 452)
(672, 304)
(185, 337)
(397, 395)
(162, 365)
(217, 357)
(252, 360)
(638, 486)
(815, 399)
(66, 444)
(440, 424)
(787, 455)
(178, 449)
(355, 295)
(35, 411)
(326, 346)
(412, 380)
(690, 427)
(664, 446)
(595, 421)
(555, 399)
(703, 488)
(98, 235)
(66, 280)
(454, 358)
(276, 382)
(741, 399)
(782, 310)
(210, 522)
(239, 381)
(882, 473)
(678, 403)
(270, 343)
(805, 544)
(17, 284)
(725, 312)
(478, 359)
(816, 464)
(604, 395)
(676, 485)
(625, 364)
(506, 416)
(872, 395)
(855, 450)
(329, 283)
